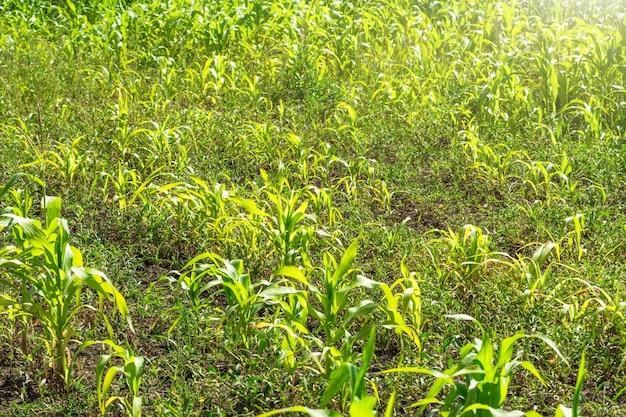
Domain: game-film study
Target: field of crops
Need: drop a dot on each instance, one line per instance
(326, 207)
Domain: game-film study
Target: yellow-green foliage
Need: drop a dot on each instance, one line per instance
(294, 196)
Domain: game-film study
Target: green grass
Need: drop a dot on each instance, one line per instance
(266, 182)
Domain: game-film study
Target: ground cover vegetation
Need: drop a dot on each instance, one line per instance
(262, 207)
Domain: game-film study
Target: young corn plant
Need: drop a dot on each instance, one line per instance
(353, 375)
(289, 234)
(360, 170)
(497, 163)
(132, 370)
(65, 160)
(120, 112)
(328, 305)
(199, 208)
(68, 159)
(46, 277)
(294, 337)
(244, 298)
(468, 250)
(591, 113)
(403, 309)
(192, 282)
(352, 379)
(593, 301)
(576, 235)
(479, 382)
(534, 272)
(538, 178)
(22, 202)
(548, 180)
(382, 195)
(321, 201)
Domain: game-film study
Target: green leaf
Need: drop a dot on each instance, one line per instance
(541, 254)
(415, 370)
(505, 352)
(368, 353)
(31, 228)
(485, 354)
(552, 345)
(531, 368)
(338, 379)
(52, 206)
(11, 263)
(9, 184)
(104, 359)
(364, 282)
(292, 272)
(363, 407)
(108, 379)
(6, 300)
(278, 292)
(362, 309)
(77, 257)
(71, 6)
(346, 261)
(214, 257)
(100, 283)
(248, 205)
(580, 379)
(389, 409)
(563, 411)
(426, 401)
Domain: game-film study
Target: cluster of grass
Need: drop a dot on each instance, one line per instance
(312, 206)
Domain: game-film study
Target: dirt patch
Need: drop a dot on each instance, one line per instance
(422, 217)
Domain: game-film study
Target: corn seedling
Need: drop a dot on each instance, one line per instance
(534, 272)
(496, 163)
(360, 170)
(51, 279)
(576, 235)
(468, 250)
(404, 309)
(192, 282)
(244, 298)
(595, 302)
(321, 201)
(548, 180)
(200, 208)
(120, 112)
(352, 374)
(382, 195)
(132, 370)
(22, 202)
(289, 237)
(328, 304)
(479, 382)
(354, 377)
(65, 160)
(595, 132)
(243, 301)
